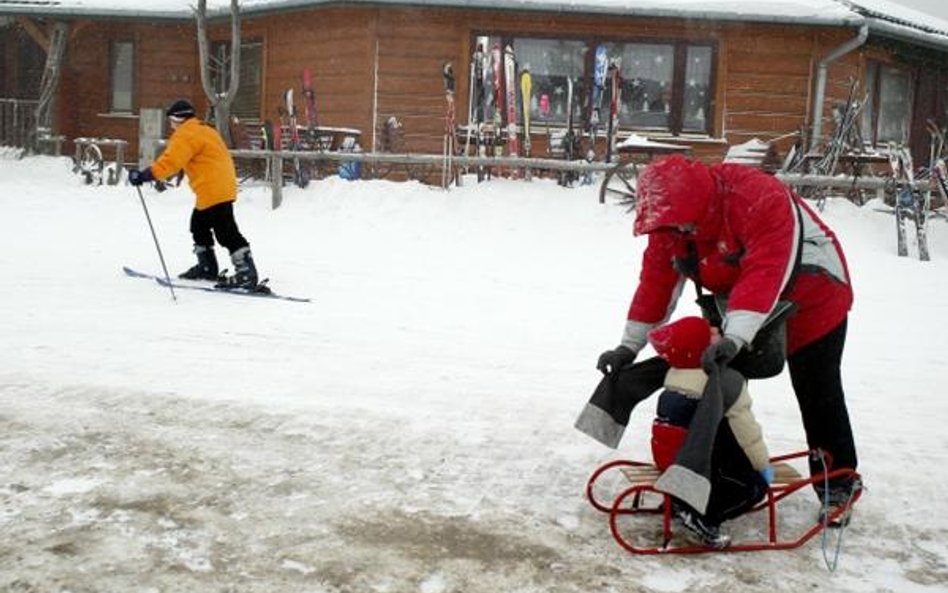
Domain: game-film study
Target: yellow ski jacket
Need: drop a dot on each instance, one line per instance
(197, 148)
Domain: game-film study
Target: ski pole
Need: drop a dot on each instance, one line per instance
(157, 246)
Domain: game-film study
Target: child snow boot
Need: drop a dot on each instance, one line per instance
(245, 272)
(705, 532)
(206, 268)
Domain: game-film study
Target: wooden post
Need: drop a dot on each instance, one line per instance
(276, 180)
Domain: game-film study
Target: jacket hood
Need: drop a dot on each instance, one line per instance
(682, 342)
(673, 192)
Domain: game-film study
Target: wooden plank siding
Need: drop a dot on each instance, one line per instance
(336, 45)
(763, 81)
(166, 69)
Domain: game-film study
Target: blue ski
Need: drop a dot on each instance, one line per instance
(263, 291)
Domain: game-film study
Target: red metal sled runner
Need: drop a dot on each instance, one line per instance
(641, 476)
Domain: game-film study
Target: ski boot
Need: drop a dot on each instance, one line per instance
(206, 267)
(245, 272)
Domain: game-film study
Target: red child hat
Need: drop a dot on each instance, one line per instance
(682, 342)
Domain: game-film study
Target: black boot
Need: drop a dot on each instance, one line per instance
(206, 268)
(703, 530)
(245, 272)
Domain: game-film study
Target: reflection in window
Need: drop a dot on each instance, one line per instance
(551, 62)
(122, 74)
(663, 86)
(697, 92)
(246, 104)
(888, 109)
(646, 72)
(895, 101)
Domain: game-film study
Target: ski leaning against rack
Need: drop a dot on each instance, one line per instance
(526, 94)
(510, 99)
(261, 291)
(614, 107)
(497, 65)
(910, 203)
(450, 127)
(566, 178)
(300, 171)
(599, 85)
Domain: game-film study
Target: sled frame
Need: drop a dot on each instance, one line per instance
(642, 476)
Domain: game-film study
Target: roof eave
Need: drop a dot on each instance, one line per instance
(839, 20)
(883, 28)
(97, 14)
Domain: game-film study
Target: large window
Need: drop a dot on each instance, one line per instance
(122, 72)
(886, 117)
(664, 86)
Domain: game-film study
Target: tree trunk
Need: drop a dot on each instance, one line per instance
(220, 102)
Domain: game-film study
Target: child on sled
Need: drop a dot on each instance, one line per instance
(740, 469)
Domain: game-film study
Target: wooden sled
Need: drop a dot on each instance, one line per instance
(641, 498)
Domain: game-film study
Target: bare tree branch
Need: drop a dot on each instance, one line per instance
(220, 102)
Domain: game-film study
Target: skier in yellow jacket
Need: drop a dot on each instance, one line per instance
(197, 148)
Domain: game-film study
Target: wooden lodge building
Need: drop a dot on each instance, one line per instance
(706, 77)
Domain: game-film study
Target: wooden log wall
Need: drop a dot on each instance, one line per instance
(370, 63)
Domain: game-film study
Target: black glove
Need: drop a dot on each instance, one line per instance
(718, 354)
(612, 361)
(136, 177)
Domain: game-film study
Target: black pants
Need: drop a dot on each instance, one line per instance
(818, 384)
(735, 485)
(218, 219)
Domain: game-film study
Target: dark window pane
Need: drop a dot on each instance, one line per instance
(246, 103)
(551, 62)
(646, 72)
(122, 70)
(895, 101)
(869, 109)
(696, 110)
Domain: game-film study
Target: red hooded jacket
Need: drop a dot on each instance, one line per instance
(740, 229)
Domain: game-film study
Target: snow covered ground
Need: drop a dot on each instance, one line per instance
(410, 430)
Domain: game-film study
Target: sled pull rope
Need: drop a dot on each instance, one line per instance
(824, 537)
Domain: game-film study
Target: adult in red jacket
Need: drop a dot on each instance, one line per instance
(740, 232)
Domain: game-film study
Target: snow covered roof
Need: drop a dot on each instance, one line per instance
(821, 12)
(889, 19)
(883, 16)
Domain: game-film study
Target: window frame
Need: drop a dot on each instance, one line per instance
(680, 48)
(873, 74)
(113, 54)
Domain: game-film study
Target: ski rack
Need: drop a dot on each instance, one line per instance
(642, 476)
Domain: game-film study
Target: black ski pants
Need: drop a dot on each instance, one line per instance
(217, 221)
(735, 485)
(817, 382)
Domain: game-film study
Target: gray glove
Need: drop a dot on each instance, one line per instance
(612, 361)
(719, 354)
